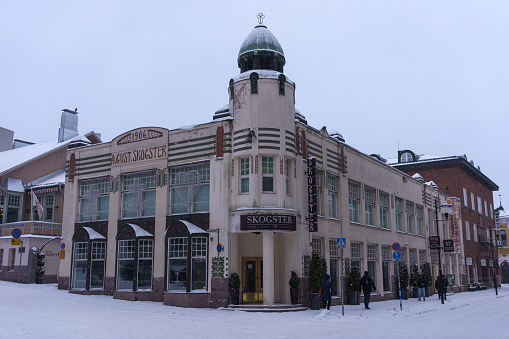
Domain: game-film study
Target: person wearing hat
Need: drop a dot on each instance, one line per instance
(366, 284)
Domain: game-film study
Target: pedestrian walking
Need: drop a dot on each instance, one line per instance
(327, 291)
(367, 286)
(421, 283)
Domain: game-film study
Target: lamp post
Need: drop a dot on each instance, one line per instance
(442, 295)
(494, 266)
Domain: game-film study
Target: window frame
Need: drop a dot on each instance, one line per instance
(143, 192)
(268, 173)
(188, 202)
(398, 206)
(353, 200)
(99, 197)
(243, 175)
(369, 205)
(384, 209)
(332, 194)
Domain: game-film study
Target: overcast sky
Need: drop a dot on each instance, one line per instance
(430, 76)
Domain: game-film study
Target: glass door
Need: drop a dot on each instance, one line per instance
(252, 278)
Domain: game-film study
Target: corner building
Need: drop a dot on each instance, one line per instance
(169, 215)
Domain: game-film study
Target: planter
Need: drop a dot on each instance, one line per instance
(294, 295)
(404, 293)
(315, 301)
(415, 292)
(234, 296)
(354, 297)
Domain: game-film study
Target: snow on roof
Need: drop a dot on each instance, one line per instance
(140, 232)
(263, 73)
(93, 235)
(192, 228)
(19, 156)
(52, 179)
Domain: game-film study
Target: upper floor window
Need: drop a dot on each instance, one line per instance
(465, 195)
(94, 199)
(353, 201)
(190, 189)
(485, 208)
(317, 245)
(410, 217)
(407, 157)
(14, 205)
(288, 170)
(467, 230)
(47, 201)
(399, 214)
(332, 188)
(369, 205)
(268, 174)
(479, 205)
(474, 229)
(244, 175)
(139, 195)
(472, 199)
(419, 215)
(384, 210)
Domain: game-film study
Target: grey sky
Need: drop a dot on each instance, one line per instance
(430, 76)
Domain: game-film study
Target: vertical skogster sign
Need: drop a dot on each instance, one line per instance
(312, 198)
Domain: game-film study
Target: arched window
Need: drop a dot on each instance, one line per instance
(407, 157)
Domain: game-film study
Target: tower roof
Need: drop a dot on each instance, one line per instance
(261, 50)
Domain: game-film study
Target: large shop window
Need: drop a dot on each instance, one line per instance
(89, 257)
(139, 195)
(94, 199)
(353, 201)
(135, 250)
(135, 272)
(190, 189)
(187, 254)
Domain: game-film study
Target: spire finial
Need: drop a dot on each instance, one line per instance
(260, 17)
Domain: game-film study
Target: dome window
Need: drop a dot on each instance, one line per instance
(254, 82)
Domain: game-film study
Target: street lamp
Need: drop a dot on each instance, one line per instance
(439, 247)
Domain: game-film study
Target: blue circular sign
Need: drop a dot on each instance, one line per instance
(62, 246)
(396, 255)
(16, 233)
(219, 247)
(395, 246)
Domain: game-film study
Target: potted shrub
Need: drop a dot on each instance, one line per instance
(403, 279)
(294, 288)
(414, 276)
(317, 269)
(234, 288)
(354, 279)
(426, 273)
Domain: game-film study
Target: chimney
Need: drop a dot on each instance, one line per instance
(68, 125)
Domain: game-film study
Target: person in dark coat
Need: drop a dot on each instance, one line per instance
(421, 283)
(441, 285)
(367, 286)
(327, 291)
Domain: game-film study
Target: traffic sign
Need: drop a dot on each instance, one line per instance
(396, 255)
(341, 242)
(15, 241)
(16, 233)
(219, 248)
(62, 254)
(62, 246)
(395, 246)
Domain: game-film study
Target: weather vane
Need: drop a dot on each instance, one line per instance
(260, 17)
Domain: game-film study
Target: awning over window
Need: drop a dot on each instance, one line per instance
(93, 235)
(192, 228)
(140, 232)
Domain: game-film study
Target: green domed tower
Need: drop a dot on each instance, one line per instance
(261, 50)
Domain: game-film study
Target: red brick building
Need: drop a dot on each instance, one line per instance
(458, 177)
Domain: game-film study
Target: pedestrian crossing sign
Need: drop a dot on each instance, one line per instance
(341, 242)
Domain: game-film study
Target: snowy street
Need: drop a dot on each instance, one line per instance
(43, 311)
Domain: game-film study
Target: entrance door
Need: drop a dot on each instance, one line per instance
(252, 274)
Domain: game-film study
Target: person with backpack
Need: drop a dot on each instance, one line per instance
(367, 286)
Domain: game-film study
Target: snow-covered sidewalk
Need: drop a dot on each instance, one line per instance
(43, 311)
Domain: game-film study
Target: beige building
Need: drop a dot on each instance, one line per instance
(169, 215)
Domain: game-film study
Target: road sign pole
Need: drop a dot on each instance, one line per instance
(399, 288)
(20, 255)
(342, 291)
